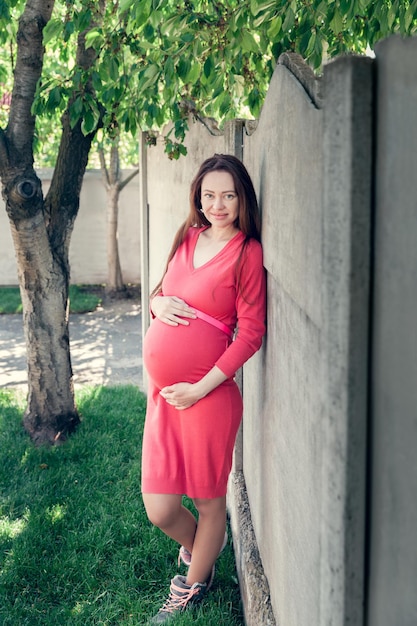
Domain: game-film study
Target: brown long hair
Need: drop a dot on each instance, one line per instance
(248, 219)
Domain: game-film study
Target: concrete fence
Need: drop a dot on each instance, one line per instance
(88, 254)
(323, 496)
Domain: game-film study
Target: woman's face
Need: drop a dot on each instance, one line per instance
(219, 199)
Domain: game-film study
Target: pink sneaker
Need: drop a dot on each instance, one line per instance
(181, 596)
(185, 556)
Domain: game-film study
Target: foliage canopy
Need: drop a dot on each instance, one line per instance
(159, 60)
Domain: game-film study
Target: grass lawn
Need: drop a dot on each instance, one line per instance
(76, 548)
(82, 299)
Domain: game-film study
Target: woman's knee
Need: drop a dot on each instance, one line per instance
(212, 506)
(162, 509)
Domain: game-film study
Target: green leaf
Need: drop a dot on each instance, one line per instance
(52, 30)
(254, 102)
(83, 20)
(289, 20)
(169, 70)
(155, 18)
(193, 74)
(125, 5)
(68, 30)
(94, 39)
(74, 116)
(149, 32)
(139, 13)
(337, 22)
(208, 66)
(103, 72)
(96, 80)
(150, 76)
(362, 5)
(256, 6)
(248, 42)
(183, 67)
(408, 18)
(225, 104)
(88, 123)
(54, 98)
(187, 37)
(275, 27)
(311, 44)
(391, 15)
(113, 67)
(345, 5)
(77, 105)
(169, 25)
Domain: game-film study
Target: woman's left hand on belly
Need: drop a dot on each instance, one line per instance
(180, 395)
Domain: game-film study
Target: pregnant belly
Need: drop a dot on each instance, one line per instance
(173, 354)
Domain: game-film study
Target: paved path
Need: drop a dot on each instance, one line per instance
(106, 347)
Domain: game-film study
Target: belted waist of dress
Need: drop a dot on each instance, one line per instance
(213, 321)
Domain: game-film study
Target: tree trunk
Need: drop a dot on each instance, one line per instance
(41, 230)
(51, 414)
(114, 186)
(114, 276)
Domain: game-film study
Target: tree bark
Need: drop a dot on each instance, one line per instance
(41, 230)
(114, 276)
(114, 185)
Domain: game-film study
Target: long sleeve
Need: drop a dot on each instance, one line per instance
(251, 312)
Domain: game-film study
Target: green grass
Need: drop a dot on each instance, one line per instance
(10, 301)
(82, 299)
(76, 548)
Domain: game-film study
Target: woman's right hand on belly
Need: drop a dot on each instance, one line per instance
(172, 310)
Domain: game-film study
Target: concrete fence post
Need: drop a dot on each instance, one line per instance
(346, 223)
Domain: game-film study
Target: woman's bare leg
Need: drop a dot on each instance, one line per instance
(167, 512)
(208, 538)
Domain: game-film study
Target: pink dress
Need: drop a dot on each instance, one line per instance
(190, 451)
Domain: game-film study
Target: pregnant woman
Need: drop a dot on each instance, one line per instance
(208, 319)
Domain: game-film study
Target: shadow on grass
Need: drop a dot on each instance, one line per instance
(76, 547)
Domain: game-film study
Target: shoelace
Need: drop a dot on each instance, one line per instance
(175, 602)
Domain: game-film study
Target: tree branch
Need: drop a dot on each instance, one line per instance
(114, 161)
(103, 166)
(127, 180)
(29, 62)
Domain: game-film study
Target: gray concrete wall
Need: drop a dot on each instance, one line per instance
(282, 384)
(88, 255)
(393, 517)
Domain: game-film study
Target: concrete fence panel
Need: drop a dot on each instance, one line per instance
(281, 384)
(346, 276)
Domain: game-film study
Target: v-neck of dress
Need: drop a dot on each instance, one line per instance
(215, 256)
